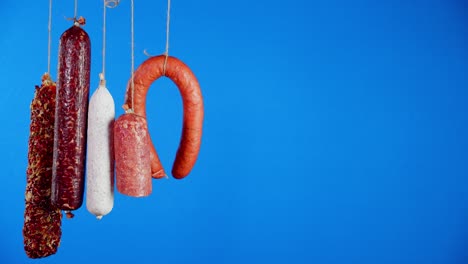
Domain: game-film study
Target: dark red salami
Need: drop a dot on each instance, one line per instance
(42, 220)
(71, 118)
(132, 155)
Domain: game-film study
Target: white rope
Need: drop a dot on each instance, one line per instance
(110, 4)
(133, 53)
(104, 41)
(168, 19)
(50, 36)
(76, 8)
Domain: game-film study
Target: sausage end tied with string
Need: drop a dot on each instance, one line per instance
(100, 152)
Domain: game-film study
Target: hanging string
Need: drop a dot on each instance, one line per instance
(103, 77)
(49, 29)
(76, 9)
(110, 4)
(133, 52)
(168, 19)
(76, 21)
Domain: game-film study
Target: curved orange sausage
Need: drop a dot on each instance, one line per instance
(185, 80)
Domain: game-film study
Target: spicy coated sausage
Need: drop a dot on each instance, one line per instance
(42, 220)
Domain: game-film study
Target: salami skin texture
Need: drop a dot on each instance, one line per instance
(42, 221)
(100, 153)
(189, 147)
(132, 159)
(71, 119)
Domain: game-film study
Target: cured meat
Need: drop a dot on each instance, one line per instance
(189, 88)
(71, 119)
(100, 153)
(132, 155)
(42, 221)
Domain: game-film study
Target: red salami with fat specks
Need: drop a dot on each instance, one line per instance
(132, 155)
(71, 118)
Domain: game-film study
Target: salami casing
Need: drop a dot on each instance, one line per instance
(71, 119)
(132, 155)
(100, 153)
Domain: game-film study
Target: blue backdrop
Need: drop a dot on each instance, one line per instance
(335, 131)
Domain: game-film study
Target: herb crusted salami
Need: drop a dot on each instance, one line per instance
(42, 220)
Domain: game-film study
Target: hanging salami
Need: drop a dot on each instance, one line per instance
(132, 155)
(71, 118)
(189, 88)
(100, 153)
(42, 220)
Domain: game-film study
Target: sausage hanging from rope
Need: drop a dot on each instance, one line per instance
(42, 221)
(132, 155)
(71, 118)
(100, 152)
(189, 88)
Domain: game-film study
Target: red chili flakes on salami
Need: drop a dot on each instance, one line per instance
(42, 221)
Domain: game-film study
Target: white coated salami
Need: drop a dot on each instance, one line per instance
(100, 154)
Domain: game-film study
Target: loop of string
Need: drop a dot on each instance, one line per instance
(111, 3)
(49, 29)
(133, 52)
(168, 19)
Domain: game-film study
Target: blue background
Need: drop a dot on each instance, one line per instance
(335, 131)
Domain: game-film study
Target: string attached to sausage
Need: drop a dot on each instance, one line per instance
(42, 220)
(168, 20)
(107, 4)
(77, 20)
(49, 29)
(133, 46)
(74, 64)
(76, 9)
(189, 88)
(100, 145)
(103, 73)
(131, 143)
